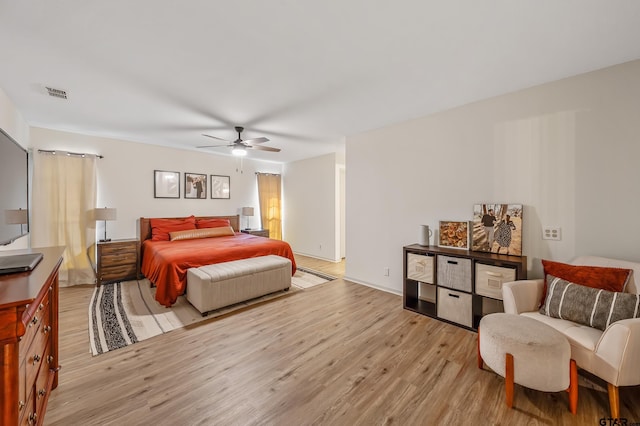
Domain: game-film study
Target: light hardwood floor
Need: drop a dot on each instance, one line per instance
(336, 354)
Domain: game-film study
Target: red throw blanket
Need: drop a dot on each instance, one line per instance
(165, 263)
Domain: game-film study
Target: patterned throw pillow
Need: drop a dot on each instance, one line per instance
(594, 307)
(607, 278)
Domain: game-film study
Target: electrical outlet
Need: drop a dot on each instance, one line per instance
(551, 233)
(386, 271)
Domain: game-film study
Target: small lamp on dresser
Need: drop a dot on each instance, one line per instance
(105, 215)
(17, 217)
(247, 212)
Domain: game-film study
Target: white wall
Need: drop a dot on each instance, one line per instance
(125, 178)
(12, 122)
(568, 150)
(311, 202)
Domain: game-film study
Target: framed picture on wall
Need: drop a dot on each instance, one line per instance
(195, 185)
(454, 234)
(166, 184)
(497, 228)
(220, 187)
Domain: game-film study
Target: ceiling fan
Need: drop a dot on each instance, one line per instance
(239, 146)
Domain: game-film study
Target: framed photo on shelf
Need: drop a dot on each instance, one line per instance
(497, 228)
(220, 187)
(166, 184)
(195, 185)
(454, 234)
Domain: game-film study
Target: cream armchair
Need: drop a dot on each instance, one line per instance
(611, 355)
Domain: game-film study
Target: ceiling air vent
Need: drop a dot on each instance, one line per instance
(57, 93)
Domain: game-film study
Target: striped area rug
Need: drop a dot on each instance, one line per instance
(121, 314)
(305, 278)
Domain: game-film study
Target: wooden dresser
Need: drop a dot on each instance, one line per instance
(29, 339)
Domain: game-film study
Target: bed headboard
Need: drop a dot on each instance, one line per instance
(145, 224)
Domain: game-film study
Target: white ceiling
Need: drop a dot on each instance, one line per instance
(303, 73)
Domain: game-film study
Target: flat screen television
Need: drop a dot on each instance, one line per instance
(14, 190)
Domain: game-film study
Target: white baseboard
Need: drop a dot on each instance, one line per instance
(377, 287)
(317, 257)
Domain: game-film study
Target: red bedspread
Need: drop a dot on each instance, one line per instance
(165, 263)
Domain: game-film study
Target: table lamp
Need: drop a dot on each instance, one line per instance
(16, 217)
(105, 215)
(247, 211)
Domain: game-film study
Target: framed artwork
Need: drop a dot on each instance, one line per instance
(454, 234)
(195, 185)
(166, 184)
(497, 228)
(220, 187)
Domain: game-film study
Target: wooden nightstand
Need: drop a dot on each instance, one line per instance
(258, 232)
(117, 260)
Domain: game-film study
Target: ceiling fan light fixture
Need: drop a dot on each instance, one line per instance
(239, 151)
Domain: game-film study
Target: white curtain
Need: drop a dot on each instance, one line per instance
(64, 199)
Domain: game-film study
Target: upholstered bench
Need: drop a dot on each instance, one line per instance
(222, 284)
(529, 353)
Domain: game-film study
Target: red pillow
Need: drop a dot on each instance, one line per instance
(212, 223)
(160, 228)
(610, 279)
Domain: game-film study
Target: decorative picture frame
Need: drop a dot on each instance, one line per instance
(220, 187)
(166, 184)
(505, 233)
(453, 234)
(195, 185)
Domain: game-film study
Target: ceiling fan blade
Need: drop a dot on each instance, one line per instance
(263, 148)
(212, 146)
(215, 137)
(256, 141)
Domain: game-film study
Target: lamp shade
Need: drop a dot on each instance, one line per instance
(247, 211)
(16, 217)
(106, 214)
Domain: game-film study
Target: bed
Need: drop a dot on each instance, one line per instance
(165, 263)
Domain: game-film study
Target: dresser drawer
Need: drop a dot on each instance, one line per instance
(118, 272)
(420, 268)
(127, 247)
(454, 272)
(489, 279)
(42, 381)
(118, 259)
(35, 353)
(455, 306)
(28, 413)
(42, 315)
(32, 329)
